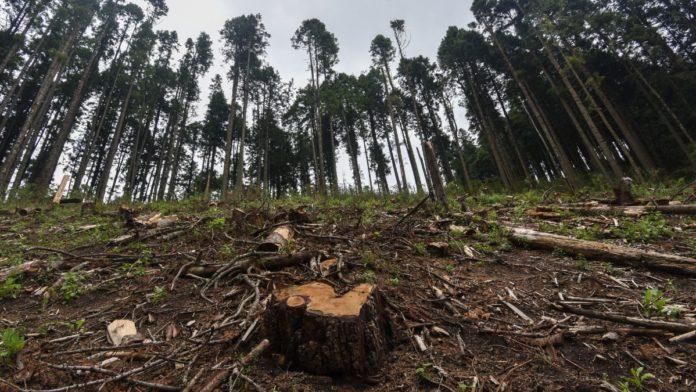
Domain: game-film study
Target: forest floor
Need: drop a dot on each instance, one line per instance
(67, 272)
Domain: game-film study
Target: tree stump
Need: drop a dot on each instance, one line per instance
(317, 331)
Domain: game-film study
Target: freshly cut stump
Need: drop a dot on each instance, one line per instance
(317, 331)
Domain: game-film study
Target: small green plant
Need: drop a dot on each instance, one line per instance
(158, 294)
(582, 263)
(9, 288)
(655, 303)
(369, 259)
(368, 276)
(12, 343)
(463, 387)
(422, 371)
(637, 379)
(648, 228)
(227, 250)
(77, 325)
(420, 248)
(136, 268)
(449, 268)
(217, 224)
(73, 286)
(393, 281)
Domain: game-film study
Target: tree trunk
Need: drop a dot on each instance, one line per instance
(455, 135)
(320, 173)
(239, 181)
(115, 141)
(228, 140)
(320, 332)
(44, 179)
(604, 147)
(367, 160)
(555, 145)
(59, 60)
(390, 106)
(407, 139)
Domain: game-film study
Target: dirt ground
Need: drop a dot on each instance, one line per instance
(96, 266)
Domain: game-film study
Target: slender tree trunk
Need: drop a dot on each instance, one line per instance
(239, 181)
(455, 135)
(320, 173)
(604, 147)
(115, 141)
(393, 162)
(228, 135)
(559, 153)
(49, 80)
(633, 140)
(390, 106)
(44, 179)
(487, 130)
(367, 160)
(12, 52)
(407, 140)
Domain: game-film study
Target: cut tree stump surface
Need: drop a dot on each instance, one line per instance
(316, 330)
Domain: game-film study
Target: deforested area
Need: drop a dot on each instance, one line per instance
(488, 195)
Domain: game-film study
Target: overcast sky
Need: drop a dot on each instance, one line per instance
(354, 22)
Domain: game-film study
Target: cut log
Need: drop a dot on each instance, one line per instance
(276, 240)
(672, 209)
(61, 189)
(640, 322)
(317, 331)
(605, 252)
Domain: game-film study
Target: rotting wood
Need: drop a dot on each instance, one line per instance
(278, 239)
(603, 251)
(314, 329)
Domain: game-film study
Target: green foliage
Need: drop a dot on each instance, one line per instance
(368, 276)
(449, 268)
(648, 228)
(217, 224)
(228, 250)
(9, 288)
(582, 263)
(369, 259)
(637, 379)
(393, 281)
(73, 286)
(423, 370)
(420, 248)
(656, 304)
(12, 343)
(158, 294)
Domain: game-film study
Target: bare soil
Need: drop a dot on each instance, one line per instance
(457, 303)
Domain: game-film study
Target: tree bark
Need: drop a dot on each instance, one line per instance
(115, 141)
(322, 333)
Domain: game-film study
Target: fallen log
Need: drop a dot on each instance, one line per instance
(315, 330)
(277, 239)
(646, 323)
(603, 251)
(672, 209)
